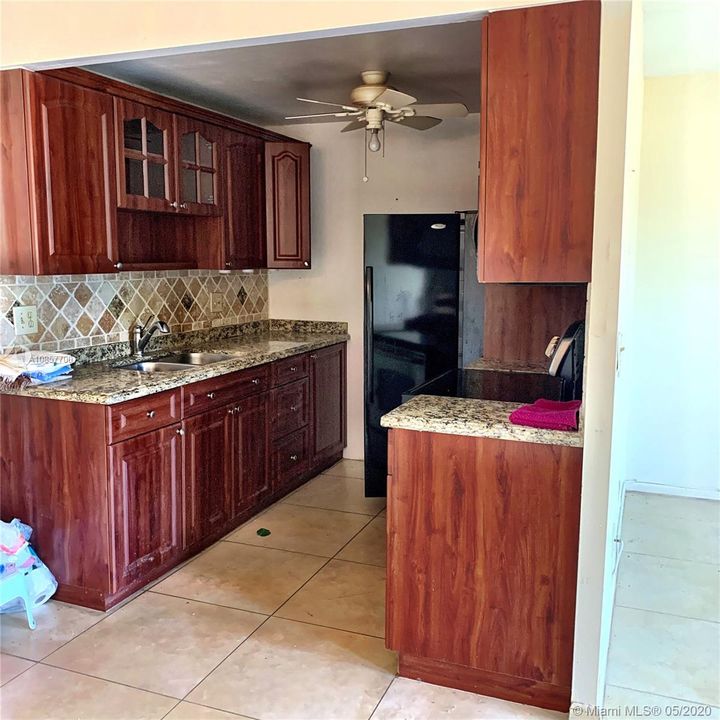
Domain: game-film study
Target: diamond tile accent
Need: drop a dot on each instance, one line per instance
(187, 301)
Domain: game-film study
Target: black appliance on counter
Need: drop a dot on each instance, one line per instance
(413, 276)
(567, 356)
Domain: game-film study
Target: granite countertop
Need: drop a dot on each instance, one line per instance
(476, 418)
(104, 383)
(483, 363)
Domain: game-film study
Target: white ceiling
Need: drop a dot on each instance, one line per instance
(439, 63)
(681, 36)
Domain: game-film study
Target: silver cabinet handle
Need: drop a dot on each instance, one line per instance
(294, 458)
(228, 264)
(211, 395)
(118, 266)
(256, 381)
(293, 408)
(150, 413)
(183, 206)
(313, 356)
(306, 264)
(180, 431)
(174, 204)
(293, 368)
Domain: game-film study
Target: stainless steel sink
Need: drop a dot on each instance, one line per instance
(194, 358)
(151, 366)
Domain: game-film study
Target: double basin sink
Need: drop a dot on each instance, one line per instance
(174, 362)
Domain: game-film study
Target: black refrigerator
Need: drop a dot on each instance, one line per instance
(413, 272)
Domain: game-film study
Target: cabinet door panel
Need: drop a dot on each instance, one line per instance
(251, 453)
(208, 464)
(328, 400)
(538, 143)
(73, 177)
(245, 244)
(287, 191)
(146, 497)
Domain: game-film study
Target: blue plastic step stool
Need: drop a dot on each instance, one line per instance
(15, 586)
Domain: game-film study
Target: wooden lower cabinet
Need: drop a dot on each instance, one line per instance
(482, 564)
(251, 453)
(145, 488)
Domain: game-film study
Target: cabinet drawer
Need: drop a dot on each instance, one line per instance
(125, 420)
(218, 391)
(289, 369)
(290, 408)
(289, 458)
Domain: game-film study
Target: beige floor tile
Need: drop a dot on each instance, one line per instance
(57, 623)
(665, 655)
(678, 587)
(50, 693)
(159, 643)
(343, 595)
(369, 546)
(243, 577)
(336, 493)
(347, 468)
(631, 705)
(11, 666)
(302, 529)
(191, 711)
(671, 536)
(414, 700)
(289, 670)
(693, 509)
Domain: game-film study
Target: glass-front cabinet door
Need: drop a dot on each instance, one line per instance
(199, 188)
(146, 157)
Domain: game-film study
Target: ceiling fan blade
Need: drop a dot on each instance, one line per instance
(419, 122)
(357, 124)
(442, 110)
(339, 116)
(395, 98)
(350, 108)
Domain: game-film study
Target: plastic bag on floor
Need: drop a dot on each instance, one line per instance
(16, 556)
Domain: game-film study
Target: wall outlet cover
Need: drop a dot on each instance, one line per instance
(217, 302)
(25, 320)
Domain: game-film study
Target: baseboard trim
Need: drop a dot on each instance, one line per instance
(485, 682)
(677, 490)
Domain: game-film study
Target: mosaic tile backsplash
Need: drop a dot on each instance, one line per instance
(76, 311)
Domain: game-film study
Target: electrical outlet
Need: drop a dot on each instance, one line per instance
(217, 302)
(25, 320)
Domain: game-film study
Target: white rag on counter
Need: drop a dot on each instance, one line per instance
(36, 365)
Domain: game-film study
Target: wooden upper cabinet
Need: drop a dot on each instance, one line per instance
(539, 88)
(145, 157)
(287, 192)
(71, 177)
(199, 160)
(245, 243)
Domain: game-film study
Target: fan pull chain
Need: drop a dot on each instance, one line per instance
(365, 176)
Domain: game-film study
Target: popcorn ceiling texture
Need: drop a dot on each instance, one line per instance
(76, 311)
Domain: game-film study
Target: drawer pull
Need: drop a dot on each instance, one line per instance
(231, 411)
(294, 408)
(180, 431)
(150, 413)
(256, 381)
(211, 395)
(293, 368)
(294, 458)
(313, 356)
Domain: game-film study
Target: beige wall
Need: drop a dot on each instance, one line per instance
(432, 171)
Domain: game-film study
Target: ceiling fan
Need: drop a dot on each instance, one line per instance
(374, 102)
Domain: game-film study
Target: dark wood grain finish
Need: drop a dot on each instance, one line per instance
(494, 524)
(289, 459)
(519, 320)
(251, 453)
(287, 196)
(212, 393)
(290, 407)
(245, 239)
(483, 682)
(53, 466)
(125, 420)
(207, 466)
(72, 177)
(145, 488)
(16, 239)
(289, 370)
(539, 120)
(328, 401)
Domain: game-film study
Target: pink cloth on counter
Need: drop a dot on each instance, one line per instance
(548, 415)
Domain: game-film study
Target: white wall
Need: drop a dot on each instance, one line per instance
(431, 171)
(671, 358)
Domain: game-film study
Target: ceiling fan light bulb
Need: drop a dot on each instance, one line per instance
(374, 144)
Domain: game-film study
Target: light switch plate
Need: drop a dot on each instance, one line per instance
(25, 320)
(217, 302)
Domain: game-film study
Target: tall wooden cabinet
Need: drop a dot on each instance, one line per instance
(328, 424)
(539, 88)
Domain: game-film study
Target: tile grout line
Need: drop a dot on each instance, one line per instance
(669, 697)
(663, 612)
(316, 507)
(382, 697)
(667, 557)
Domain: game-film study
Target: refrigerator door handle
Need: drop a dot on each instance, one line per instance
(369, 329)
